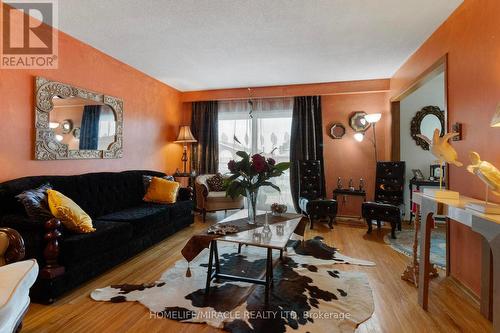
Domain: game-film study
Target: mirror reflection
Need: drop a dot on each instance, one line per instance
(83, 124)
(429, 123)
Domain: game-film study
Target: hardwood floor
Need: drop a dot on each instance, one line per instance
(396, 308)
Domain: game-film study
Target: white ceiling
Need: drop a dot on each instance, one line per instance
(209, 44)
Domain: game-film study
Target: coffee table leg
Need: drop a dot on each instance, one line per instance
(216, 257)
(269, 269)
(209, 271)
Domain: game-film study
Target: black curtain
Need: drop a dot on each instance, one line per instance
(205, 128)
(306, 140)
(89, 130)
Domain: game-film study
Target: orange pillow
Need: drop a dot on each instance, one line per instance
(70, 214)
(162, 191)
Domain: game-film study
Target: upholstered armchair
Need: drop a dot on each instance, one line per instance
(16, 279)
(212, 201)
(311, 199)
(389, 184)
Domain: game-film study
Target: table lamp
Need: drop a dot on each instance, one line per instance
(185, 136)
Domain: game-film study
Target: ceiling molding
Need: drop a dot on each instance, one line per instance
(330, 88)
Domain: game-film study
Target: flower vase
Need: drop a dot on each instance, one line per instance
(252, 205)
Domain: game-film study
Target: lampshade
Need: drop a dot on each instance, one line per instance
(373, 117)
(185, 135)
(359, 137)
(495, 121)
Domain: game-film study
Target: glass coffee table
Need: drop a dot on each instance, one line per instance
(275, 242)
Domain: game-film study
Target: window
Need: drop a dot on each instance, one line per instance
(268, 132)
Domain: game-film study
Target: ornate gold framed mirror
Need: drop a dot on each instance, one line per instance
(75, 123)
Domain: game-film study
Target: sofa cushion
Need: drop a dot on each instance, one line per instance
(143, 218)
(15, 282)
(162, 191)
(179, 211)
(146, 180)
(108, 235)
(35, 202)
(71, 215)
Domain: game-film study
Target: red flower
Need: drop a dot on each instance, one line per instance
(271, 161)
(259, 163)
(231, 165)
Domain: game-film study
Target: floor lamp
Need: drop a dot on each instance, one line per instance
(372, 118)
(185, 136)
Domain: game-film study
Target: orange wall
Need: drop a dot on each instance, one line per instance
(471, 38)
(152, 113)
(347, 158)
(344, 158)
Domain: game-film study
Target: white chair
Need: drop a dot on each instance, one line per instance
(16, 279)
(211, 201)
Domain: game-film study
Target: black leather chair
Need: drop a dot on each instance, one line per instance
(389, 185)
(311, 194)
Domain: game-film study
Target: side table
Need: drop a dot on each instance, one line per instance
(348, 192)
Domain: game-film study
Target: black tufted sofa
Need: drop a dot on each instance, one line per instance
(125, 225)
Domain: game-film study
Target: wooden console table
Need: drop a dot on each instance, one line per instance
(348, 192)
(487, 225)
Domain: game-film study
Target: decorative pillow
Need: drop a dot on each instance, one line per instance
(162, 191)
(216, 183)
(35, 203)
(146, 180)
(70, 214)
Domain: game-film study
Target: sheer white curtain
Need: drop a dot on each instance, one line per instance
(267, 132)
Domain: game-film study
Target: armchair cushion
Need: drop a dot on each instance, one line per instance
(216, 183)
(16, 280)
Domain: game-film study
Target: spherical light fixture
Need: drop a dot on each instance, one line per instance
(359, 136)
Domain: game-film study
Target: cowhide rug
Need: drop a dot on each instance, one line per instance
(309, 294)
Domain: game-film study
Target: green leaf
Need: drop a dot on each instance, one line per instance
(234, 189)
(242, 154)
(282, 166)
(271, 185)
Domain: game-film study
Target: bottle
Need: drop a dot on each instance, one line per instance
(339, 183)
(361, 184)
(351, 185)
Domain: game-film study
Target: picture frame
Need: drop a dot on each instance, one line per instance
(417, 174)
(435, 171)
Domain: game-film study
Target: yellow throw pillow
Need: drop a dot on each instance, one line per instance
(162, 191)
(70, 214)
